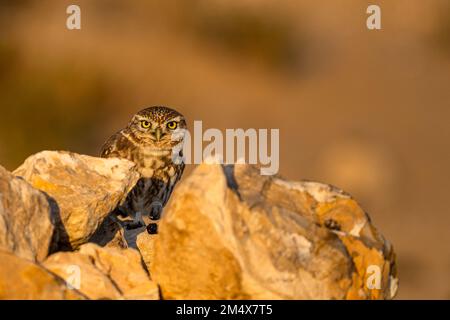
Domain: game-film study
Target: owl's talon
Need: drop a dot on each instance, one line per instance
(155, 216)
(155, 213)
(152, 228)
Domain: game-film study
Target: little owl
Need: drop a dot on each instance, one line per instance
(153, 140)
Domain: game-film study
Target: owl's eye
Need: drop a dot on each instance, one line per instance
(145, 124)
(172, 125)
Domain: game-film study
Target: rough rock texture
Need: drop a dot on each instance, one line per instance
(22, 279)
(113, 233)
(85, 190)
(25, 218)
(105, 273)
(229, 233)
(110, 233)
(145, 243)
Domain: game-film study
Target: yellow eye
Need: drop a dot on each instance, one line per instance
(172, 125)
(145, 124)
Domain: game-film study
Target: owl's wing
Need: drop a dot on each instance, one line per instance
(115, 146)
(179, 171)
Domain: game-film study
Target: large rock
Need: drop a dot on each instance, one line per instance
(85, 190)
(26, 227)
(104, 273)
(229, 233)
(21, 279)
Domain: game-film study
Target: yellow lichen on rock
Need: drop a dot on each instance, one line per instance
(231, 233)
(24, 211)
(365, 245)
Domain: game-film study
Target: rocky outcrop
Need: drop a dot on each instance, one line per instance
(230, 233)
(145, 243)
(26, 226)
(84, 189)
(104, 273)
(22, 279)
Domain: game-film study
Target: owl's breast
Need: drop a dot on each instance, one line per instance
(151, 161)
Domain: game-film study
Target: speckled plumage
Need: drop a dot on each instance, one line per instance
(149, 141)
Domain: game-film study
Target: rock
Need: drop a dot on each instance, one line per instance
(131, 235)
(110, 234)
(85, 190)
(230, 233)
(105, 273)
(145, 243)
(365, 167)
(137, 238)
(26, 227)
(21, 279)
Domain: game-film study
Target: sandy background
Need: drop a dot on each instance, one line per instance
(367, 111)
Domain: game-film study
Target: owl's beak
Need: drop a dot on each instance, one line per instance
(158, 134)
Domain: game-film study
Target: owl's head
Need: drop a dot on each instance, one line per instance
(159, 126)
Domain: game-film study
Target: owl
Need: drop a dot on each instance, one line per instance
(153, 140)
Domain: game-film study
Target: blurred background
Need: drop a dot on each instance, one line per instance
(367, 111)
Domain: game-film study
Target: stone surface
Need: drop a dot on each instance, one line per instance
(84, 189)
(105, 273)
(114, 233)
(145, 243)
(21, 279)
(26, 227)
(229, 233)
(110, 233)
